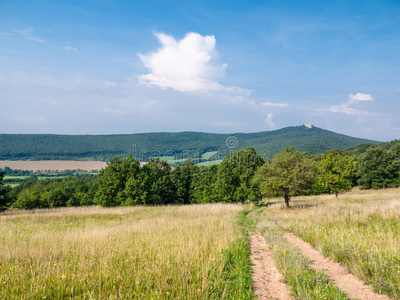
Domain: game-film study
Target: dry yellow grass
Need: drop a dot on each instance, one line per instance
(360, 229)
(122, 253)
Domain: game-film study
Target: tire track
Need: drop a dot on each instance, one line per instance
(267, 280)
(351, 285)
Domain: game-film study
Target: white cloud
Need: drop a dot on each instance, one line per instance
(35, 39)
(28, 33)
(188, 65)
(345, 109)
(269, 120)
(69, 48)
(349, 106)
(360, 97)
(271, 104)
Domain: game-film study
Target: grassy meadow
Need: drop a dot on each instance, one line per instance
(360, 229)
(207, 159)
(168, 252)
(196, 251)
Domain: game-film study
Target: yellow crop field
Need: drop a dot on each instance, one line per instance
(52, 165)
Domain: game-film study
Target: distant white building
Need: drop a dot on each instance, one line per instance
(309, 126)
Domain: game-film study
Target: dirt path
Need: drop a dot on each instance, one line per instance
(347, 282)
(267, 280)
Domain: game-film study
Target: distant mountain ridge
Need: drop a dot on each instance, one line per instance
(179, 145)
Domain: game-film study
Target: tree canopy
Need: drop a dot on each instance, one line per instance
(240, 177)
(234, 176)
(334, 172)
(288, 174)
(380, 168)
(3, 193)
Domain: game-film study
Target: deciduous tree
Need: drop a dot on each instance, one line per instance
(3, 193)
(380, 168)
(112, 180)
(288, 174)
(334, 171)
(235, 174)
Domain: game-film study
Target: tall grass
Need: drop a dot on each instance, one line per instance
(170, 252)
(361, 229)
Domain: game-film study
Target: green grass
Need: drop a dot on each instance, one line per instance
(14, 181)
(209, 155)
(17, 180)
(210, 163)
(172, 160)
(14, 177)
(168, 159)
(238, 267)
(13, 184)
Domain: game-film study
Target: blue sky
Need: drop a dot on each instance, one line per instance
(103, 67)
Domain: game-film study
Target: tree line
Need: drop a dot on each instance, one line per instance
(243, 176)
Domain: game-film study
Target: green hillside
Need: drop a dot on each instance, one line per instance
(199, 146)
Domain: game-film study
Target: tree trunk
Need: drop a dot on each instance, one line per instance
(336, 193)
(287, 201)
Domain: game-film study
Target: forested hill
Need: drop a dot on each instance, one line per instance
(181, 145)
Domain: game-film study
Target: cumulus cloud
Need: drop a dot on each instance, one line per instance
(360, 97)
(189, 65)
(269, 120)
(349, 107)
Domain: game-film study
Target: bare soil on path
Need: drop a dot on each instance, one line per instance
(267, 280)
(344, 280)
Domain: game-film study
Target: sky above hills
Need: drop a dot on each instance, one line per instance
(102, 67)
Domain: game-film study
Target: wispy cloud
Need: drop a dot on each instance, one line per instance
(271, 104)
(28, 33)
(189, 65)
(69, 48)
(349, 107)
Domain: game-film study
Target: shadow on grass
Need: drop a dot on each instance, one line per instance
(300, 204)
(264, 205)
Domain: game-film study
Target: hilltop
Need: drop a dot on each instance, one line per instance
(200, 146)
